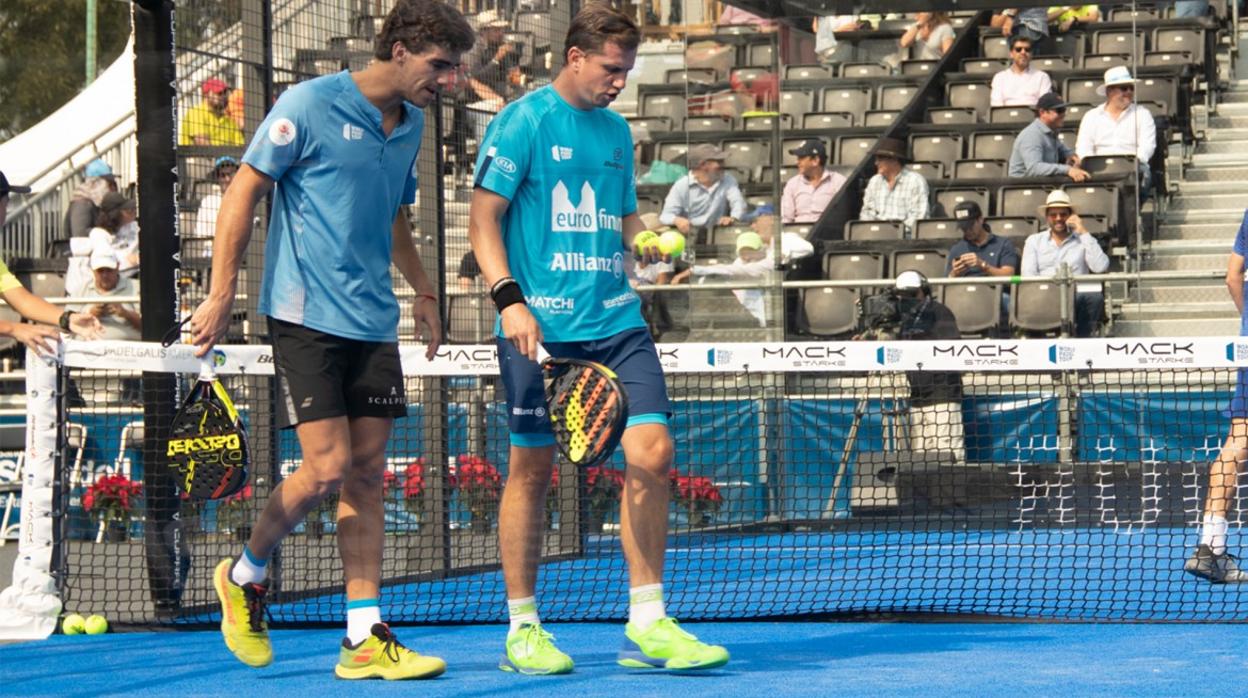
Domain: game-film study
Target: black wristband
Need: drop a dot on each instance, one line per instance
(505, 294)
(64, 321)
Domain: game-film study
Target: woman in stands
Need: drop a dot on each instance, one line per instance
(934, 35)
(116, 230)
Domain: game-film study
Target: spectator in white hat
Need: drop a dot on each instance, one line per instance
(1119, 126)
(1067, 241)
(120, 320)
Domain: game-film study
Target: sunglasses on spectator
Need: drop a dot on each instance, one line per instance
(1022, 49)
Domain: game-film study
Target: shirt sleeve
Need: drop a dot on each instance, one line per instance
(1046, 83)
(794, 247)
(1095, 257)
(8, 282)
(1009, 255)
(1241, 238)
(1083, 141)
(674, 204)
(283, 136)
(1146, 132)
(1031, 149)
(918, 202)
(997, 98)
(506, 152)
(869, 212)
(788, 202)
(737, 206)
(1031, 257)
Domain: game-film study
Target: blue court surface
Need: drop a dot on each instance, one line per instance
(775, 659)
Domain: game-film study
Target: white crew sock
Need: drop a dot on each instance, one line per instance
(1213, 533)
(645, 605)
(362, 615)
(522, 611)
(248, 569)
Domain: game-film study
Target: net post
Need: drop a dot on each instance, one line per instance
(155, 115)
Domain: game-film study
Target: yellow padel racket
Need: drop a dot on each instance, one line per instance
(587, 409)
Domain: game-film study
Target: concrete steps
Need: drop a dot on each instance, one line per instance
(1199, 327)
(1182, 293)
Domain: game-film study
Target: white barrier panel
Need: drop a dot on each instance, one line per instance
(30, 606)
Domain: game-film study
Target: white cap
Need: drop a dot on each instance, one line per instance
(103, 259)
(909, 280)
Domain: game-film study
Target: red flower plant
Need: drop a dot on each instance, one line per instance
(697, 494)
(111, 498)
(603, 487)
(414, 486)
(479, 485)
(388, 478)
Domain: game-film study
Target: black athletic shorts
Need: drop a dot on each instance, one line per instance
(321, 375)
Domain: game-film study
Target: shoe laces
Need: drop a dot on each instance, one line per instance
(256, 609)
(390, 644)
(671, 625)
(537, 638)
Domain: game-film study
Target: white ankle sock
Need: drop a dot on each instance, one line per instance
(248, 569)
(645, 605)
(362, 615)
(522, 611)
(1213, 533)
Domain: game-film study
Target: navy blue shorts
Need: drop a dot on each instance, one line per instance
(1239, 401)
(631, 354)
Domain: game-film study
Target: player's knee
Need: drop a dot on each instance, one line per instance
(327, 468)
(655, 456)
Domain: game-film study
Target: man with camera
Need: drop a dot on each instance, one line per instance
(909, 312)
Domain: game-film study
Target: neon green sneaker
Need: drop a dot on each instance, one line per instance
(382, 656)
(531, 650)
(665, 645)
(242, 617)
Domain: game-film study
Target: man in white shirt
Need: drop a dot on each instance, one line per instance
(792, 246)
(1119, 126)
(223, 171)
(1020, 85)
(1067, 241)
(754, 262)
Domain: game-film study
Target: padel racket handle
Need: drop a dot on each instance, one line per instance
(207, 373)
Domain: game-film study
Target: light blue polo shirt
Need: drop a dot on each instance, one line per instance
(1241, 248)
(340, 182)
(568, 174)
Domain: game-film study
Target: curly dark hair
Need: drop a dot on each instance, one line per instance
(419, 24)
(598, 24)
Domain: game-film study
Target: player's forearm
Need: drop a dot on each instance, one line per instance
(32, 307)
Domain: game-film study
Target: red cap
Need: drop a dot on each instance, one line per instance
(214, 85)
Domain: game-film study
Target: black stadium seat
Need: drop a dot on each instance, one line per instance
(979, 169)
(973, 95)
(850, 266)
(828, 311)
(937, 229)
(929, 263)
(807, 72)
(859, 231)
(977, 307)
(948, 199)
(992, 146)
(825, 120)
(1021, 201)
(944, 147)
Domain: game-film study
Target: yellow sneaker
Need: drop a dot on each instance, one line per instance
(382, 656)
(242, 617)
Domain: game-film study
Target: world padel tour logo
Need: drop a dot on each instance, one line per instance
(718, 357)
(1061, 354)
(887, 356)
(218, 358)
(1237, 352)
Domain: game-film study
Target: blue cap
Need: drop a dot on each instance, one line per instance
(98, 168)
(225, 160)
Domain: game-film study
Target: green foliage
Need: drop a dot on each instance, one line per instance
(43, 55)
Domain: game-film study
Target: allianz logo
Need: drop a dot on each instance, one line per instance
(580, 262)
(585, 217)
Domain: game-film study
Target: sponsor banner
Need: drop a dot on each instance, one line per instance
(985, 355)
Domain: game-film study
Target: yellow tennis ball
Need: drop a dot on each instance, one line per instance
(96, 625)
(644, 239)
(73, 624)
(672, 243)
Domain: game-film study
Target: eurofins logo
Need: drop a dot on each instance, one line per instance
(568, 218)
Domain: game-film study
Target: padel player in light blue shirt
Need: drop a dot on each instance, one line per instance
(340, 153)
(553, 214)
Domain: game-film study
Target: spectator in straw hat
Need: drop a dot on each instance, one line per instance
(894, 193)
(1067, 242)
(207, 123)
(1119, 126)
(43, 336)
(706, 196)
